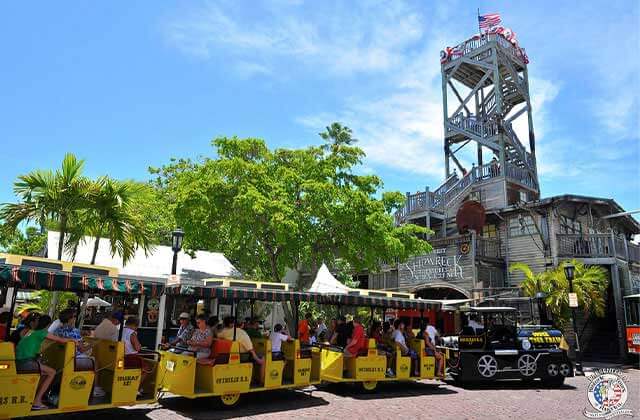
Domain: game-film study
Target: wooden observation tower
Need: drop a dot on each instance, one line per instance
(486, 103)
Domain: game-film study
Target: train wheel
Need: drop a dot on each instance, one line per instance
(229, 400)
(369, 386)
(527, 365)
(553, 377)
(487, 366)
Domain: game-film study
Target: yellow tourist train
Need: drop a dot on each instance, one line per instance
(226, 376)
(303, 365)
(75, 377)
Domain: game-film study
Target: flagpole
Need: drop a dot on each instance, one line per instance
(479, 29)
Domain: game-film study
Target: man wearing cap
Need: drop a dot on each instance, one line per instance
(109, 327)
(184, 332)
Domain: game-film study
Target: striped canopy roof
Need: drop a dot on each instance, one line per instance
(290, 296)
(25, 277)
(246, 294)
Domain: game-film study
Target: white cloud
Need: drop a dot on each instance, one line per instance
(335, 42)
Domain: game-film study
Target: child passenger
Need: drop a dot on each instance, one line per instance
(28, 350)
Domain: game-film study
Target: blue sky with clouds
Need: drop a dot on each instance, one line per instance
(129, 85)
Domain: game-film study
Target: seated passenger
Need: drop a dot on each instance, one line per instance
(213, 322)
(357, 341)
(432, 331)
(376, 332)
(277, 337)
(201, 338)
(473, 323)
(398, 337)
(109, 327)
(133, 350)
(244, 343)
(253, 328)
(28, 349)
(304, 329)
(341, 334)
(185, 331)
(431, 350)
(68, 330)
(331, 331)
(28, 322)
(321, 328)
(5, 324)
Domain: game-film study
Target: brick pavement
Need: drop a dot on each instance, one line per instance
(392, 400)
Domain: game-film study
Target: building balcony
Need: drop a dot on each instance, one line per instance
(597, 245)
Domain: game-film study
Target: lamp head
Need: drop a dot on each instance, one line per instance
(569, 271)
(176, 240)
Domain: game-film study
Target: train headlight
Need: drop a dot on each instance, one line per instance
(526, 344)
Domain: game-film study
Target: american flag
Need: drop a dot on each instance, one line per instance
(489, 20)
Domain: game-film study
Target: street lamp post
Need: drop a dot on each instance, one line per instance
(569, 272)
(176, 245)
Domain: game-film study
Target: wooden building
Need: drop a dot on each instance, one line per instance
(485, 93)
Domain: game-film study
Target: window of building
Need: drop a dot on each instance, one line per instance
(570, 226)
(489, 231)
(521, 225)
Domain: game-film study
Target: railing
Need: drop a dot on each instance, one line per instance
(484, 129)
(621, 252)
(521, 175)
(488, 247)
(596, 245)
(634, 252)
(592, 246)
(477, 41)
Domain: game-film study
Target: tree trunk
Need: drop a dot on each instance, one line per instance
(96, 244)
(273, 261)
(63, 229)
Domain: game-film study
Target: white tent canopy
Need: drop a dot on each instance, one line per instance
(326, 283)
(97, 302)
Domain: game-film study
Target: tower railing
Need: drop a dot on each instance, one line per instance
(428, 200)
(472, 124)
(476, 42)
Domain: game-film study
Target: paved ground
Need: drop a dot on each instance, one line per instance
(392, 400)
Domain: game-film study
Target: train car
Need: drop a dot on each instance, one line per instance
(75, 377)
(226, 375)
(503, 350)
(369, 368)
(632, 323)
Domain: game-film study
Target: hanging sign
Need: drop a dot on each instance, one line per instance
(573, 300)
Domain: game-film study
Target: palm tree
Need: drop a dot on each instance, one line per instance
(534, 285)
(111, 215)
(590, 285)
(49, 196)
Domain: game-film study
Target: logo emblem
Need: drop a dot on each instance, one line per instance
(607, 393)
(77, 382)
(465, 248)
(273, 374)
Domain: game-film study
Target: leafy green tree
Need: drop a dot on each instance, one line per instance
(30, 242)
(268, 210)
(590, 285)
(42, 300)
(49, 196)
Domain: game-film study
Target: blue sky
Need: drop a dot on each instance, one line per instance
(127, 85)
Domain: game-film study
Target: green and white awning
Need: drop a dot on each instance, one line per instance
(36, 278)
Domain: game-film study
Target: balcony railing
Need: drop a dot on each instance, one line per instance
(596, 245)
